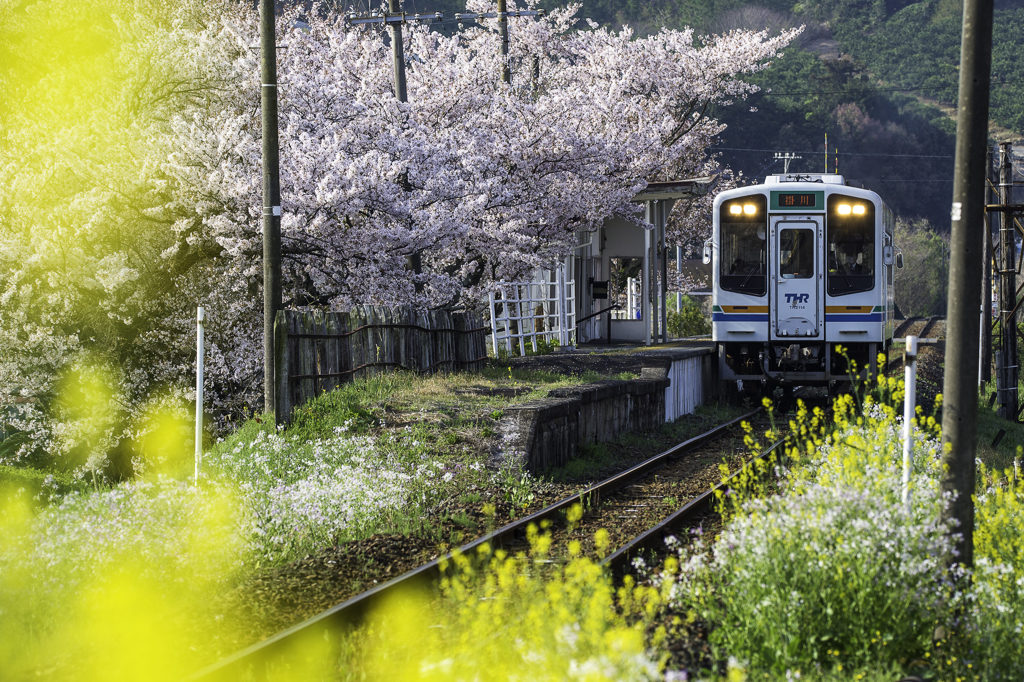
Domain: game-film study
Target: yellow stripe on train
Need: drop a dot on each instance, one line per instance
(744, 308)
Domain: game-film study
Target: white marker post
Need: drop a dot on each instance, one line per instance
(909, 398)
(200, 315)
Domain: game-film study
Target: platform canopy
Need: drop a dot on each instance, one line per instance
(624, 243)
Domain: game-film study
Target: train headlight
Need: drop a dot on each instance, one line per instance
(735, 209)
(858, 209)
(750, 209)
(843, 209)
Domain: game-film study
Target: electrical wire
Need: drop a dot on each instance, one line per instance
(900, 156)
(872, 90)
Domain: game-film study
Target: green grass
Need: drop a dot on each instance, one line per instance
(38, 484)
(452, 413)
(447, 421)
(989, 424)
(595, 458)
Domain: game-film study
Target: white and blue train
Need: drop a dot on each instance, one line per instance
(802, 264)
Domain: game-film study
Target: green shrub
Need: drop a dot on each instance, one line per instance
(690, 321)
(835, 576)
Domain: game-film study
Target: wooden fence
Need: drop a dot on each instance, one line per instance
(316, 352)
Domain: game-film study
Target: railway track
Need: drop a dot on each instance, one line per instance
(905, 325)
(652, 541)
(664, 491)
(920, 327)
(913, 326)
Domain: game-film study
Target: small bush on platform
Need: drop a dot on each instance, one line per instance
(690, 320)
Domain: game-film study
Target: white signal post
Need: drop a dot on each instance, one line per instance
(909, 398)
(200, 315)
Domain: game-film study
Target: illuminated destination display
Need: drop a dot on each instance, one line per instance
(804, 200)
(789, 201)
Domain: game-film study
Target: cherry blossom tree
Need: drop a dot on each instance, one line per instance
(130, 189)
(484, 180)
(93, 293)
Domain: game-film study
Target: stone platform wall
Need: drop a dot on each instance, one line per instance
(546, 434)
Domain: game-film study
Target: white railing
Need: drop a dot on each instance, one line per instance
(634, 301)
(544, 309)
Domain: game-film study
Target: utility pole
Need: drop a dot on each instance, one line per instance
(986, 281)
(506, 72)
(535, 77)
(786, 158)
(1007, 289)
(960, 389)
(271, 196)
(398, 52)
(413, 263)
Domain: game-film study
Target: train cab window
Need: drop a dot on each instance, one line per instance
(743, 255)
(850, 235)
(796, 254)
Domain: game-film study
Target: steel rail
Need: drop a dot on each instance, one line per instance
(922, 340)
(653, 539)
(905, 324)
(349, 613)
(928, 326)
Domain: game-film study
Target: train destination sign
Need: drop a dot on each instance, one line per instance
(798, 201)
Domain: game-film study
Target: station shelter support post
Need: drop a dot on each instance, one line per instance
(648, 270)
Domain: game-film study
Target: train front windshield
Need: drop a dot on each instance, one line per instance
(743, 265)
(851, 245)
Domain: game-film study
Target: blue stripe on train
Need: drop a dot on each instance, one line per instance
(863, 317)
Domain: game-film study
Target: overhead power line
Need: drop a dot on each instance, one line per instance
(947, 180)
(860, 91)
(354, 18)
(902, 156)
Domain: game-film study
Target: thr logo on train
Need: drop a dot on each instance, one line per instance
(793, 299)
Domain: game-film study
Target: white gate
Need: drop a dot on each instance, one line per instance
(544, 309)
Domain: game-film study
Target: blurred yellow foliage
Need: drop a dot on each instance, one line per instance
(524, 616)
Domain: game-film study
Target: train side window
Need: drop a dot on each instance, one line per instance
(743, 254)
(851, 239)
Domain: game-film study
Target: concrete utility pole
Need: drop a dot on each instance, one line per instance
(960, 389)
(506, 71)
(413, 263)
(271, 196)
(1007, 291)
(398, 52)
(786, 158)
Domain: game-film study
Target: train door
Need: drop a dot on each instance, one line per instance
(798, 277)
